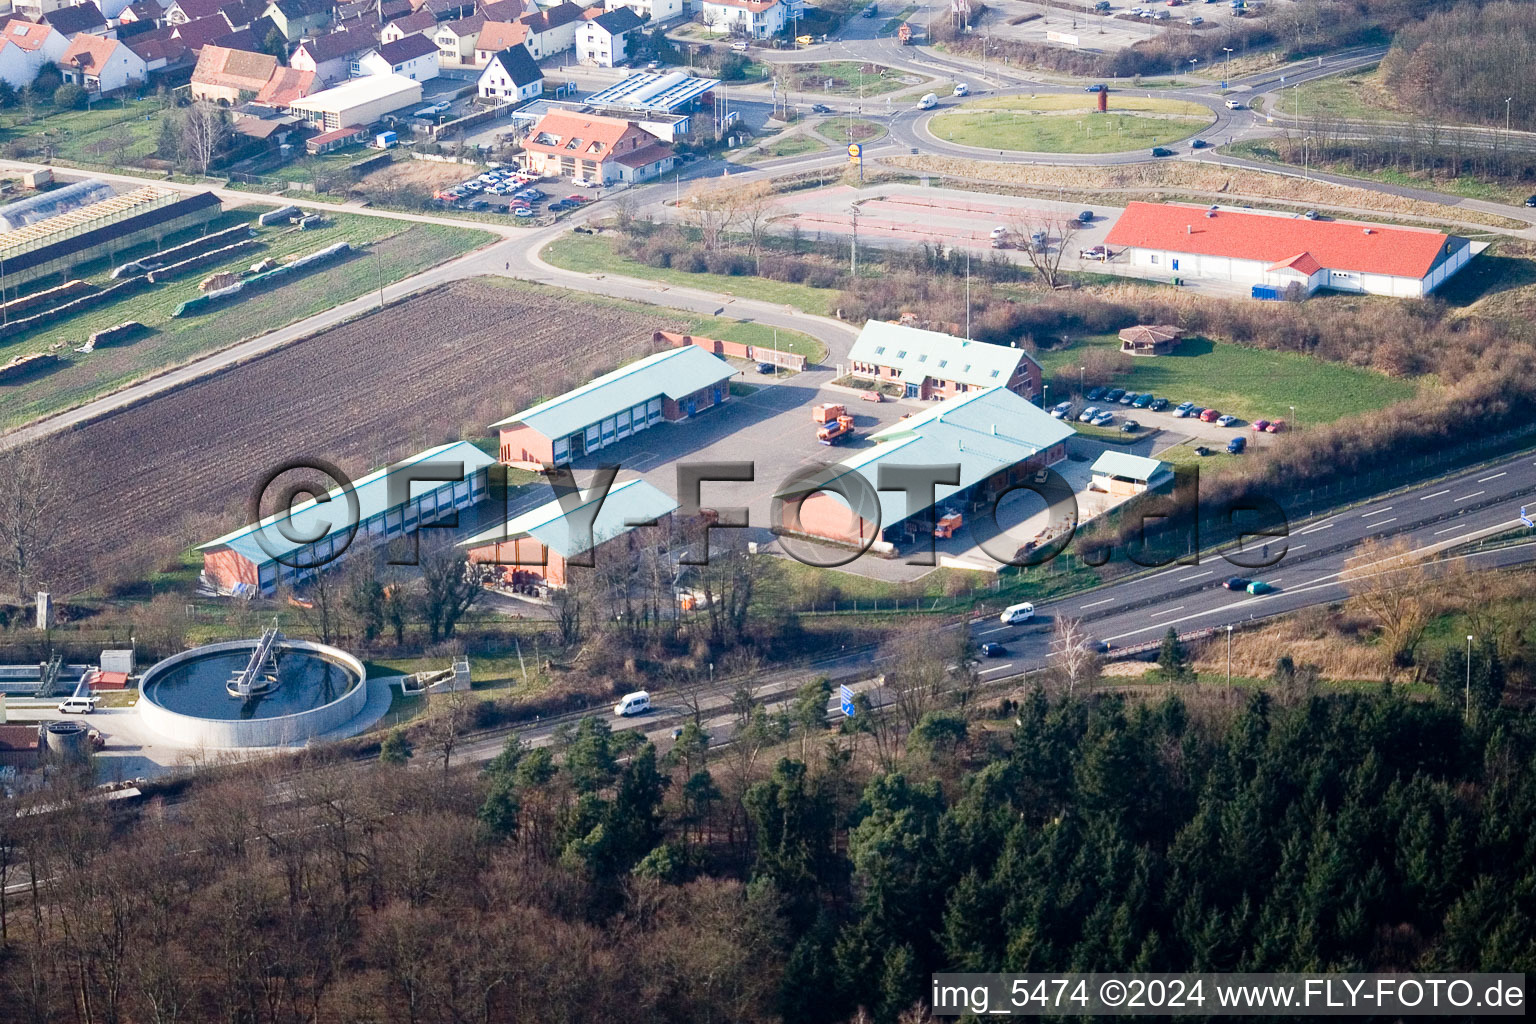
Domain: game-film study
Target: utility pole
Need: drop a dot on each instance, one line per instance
(1506, 112)
(1226, 69)
(1467, 711)
(1229, 654)
(854, 249)
(967, 295)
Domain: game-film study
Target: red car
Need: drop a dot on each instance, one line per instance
(1276, 427)
(1209, 416)
(578, 199)
(1261, 425)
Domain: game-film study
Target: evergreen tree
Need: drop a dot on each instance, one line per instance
(395, 748)
(1171, 657)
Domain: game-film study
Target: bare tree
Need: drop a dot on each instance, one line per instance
(204, 131)
(1054, 231)
(447, 722)
(712, 208)
(756, 203)
(449, 587)
(1388, 581)
(1076, 660)
(930, 663)
(32, 497)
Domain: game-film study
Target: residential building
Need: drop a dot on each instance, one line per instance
(589, 147)
(995, 438)
(496, 36)
(503, 10)
(333, 57)
(659, 10)
(195, 35)
(552, 31)
(414, 57)
(605, 39)
(1121, 474)
(1280, 254)
(931, 365)
(163, 54)
(296, 19)
(36, 8)
(390, 503)
(1150, 339)
(358, 102)
(446, 10)
(669, 386)
(539, 545)
(285, 87)
(141, 11)
(26, 47)
(755, 19)
(102, 66)
(419, 21)
(80, 18)
(511, 76)
(182, 11)
(456, 40)
(231, 76)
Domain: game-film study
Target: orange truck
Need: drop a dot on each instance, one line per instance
(827, 413)
(836, 431)
(948, 525)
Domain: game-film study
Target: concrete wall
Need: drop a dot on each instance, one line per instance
(286, 731)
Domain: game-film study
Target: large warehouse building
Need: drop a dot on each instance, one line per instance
(934, 365)
(358, 102)
(1271, 251)
(259, 556)
(538, 545)
(996, 437)
(668, 386)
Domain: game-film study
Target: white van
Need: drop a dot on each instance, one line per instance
(961, 89)
(77, 705)
(929, 101)
(1017, 613)
(637, 703)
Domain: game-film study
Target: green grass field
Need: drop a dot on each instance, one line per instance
(1034, 132)
(393, 250)
(1354, 96)
(838, 130)
(1247, 382)
(793, 145)
(843, 78)
(1458, 185)
(594, 254)
(1088, 103)
(111, 132)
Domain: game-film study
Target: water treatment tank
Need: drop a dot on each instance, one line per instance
(68, 741)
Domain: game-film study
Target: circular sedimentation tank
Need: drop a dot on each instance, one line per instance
(69, 741)
(304, 690)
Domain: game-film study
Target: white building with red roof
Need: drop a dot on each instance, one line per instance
(756, 19)
(1275, 251)
(587, 147)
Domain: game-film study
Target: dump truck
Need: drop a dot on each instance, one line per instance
(948, 524)
(836, 431)
(828, 413)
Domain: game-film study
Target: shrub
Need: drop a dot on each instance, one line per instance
(70, 96)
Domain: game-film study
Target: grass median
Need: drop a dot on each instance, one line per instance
(1043, 132)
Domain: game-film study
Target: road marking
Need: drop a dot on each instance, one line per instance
(1485, 479)
(995, 668)
(1464, 497)
(1435, 495)
(1384, 522)
(1095, 604)
(1166, 611)
(1298, 547)
(1377, 512)
(999, 629)
(1314, 529)
(1196, 576)
(1448, 529)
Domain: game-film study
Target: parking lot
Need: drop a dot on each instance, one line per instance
(507, 190)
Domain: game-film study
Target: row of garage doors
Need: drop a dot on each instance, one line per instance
(605, 433)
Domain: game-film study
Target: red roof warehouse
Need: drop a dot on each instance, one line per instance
(1272, 251)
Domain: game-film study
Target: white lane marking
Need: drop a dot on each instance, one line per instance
(1448, 529)
(995, 668)
(999, 629)
(1298, 547)
(1095, 604)
(1166, 611)
(1464, 497)
(1495, 476)
(1377, 512)
(1384, 522)
(1196, 576)
(1435, 495)
(1314, 529)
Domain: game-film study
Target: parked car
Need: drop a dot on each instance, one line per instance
(1161, 151)
(1197, 20)
(1129, 398)
(1276, 427)
(992, 650)
(1237, 583)
(1062, 410)
(1158, 404)
(1100, 253)
(1129, 427)
(1102, 5)
(1143, 401)
(1114, 394)
(1226, 421)
(1260, 424)
(1103, 419)
(1087, 415)
(1530, 200)
(1260, 587)
(766, 368)
(1202, 451)
(1086, 217)
(578, 199)
(1209, 415)
(1237, 445)
(998, 232)
(1184, 409)
(1095, 393)
(522, 213)
(1310, 215)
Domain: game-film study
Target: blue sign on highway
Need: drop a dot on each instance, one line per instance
(846, 693)
(1525, 517)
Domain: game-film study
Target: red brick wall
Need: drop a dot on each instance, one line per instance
(521, 443)
(733, 349)
(825, 515)
(226, 568)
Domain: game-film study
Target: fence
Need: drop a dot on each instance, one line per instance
(734, 349)
(476, 119)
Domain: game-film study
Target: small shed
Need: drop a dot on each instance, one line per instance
(20, 746)
(1150, 339)
(1123, 474)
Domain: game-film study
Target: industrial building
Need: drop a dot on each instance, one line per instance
(537, 546)
(1122, 474)
(662, 104)
(358, 102)
(1281, 254)
(45, 248)
(668, 386)
(931, 365)
(995, 437)
(258, 557)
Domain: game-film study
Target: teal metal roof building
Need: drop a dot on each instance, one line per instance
(287, 546)
(672, 385)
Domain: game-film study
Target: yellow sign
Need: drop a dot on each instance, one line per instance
(855, 151)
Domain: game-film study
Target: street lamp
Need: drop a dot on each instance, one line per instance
(1080, 371)
(1226, 68)
(1192, 62)
(1467, 711)
(1294, 424)
(1229, 654)
(1506, 112)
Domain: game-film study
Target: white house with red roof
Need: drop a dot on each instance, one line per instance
(101, 65)
(25, 47)
(756, 19)
(586, 147)
(1276, 251)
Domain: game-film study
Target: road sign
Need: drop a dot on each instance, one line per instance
(1525, 517)
(855, 151)
(846, 693)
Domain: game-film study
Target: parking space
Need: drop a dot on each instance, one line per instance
(508, 190)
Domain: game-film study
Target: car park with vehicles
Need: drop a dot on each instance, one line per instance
(1260, 425)
(1185, 409)
(1276, 427)
(1143, 401)
(1129, 398)
(1158, 404)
